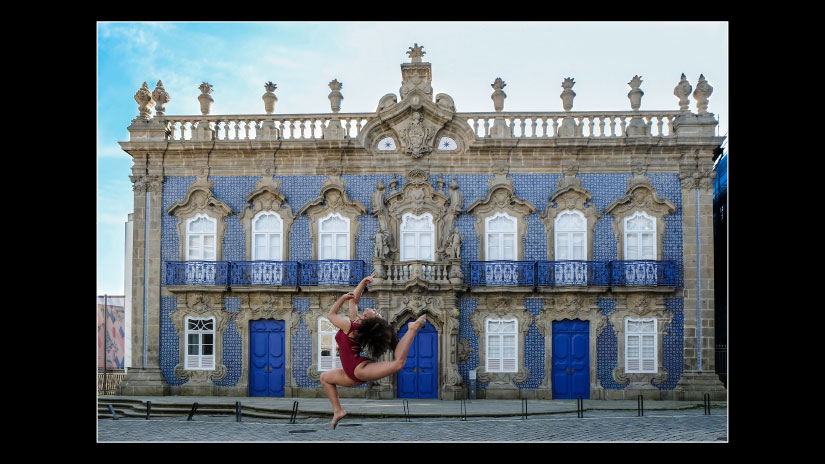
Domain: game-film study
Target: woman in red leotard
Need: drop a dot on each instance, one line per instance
(367, 332)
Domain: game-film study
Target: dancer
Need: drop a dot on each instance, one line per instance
(370, 333)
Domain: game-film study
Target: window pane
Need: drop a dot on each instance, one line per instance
(493, 247)
(207, 350)
(509, 251)
(647, 346)
(509, 346)
(633, 346)
(275, 247)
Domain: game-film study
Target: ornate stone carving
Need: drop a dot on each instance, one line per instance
(500, 198)
(205, 98)
(269, 97)
(453, 249)
(641, 196)
(464, 350)
(335, 96)
(701, 94)
(498, 95)
(569, 196)
(199, 199)
(417, 137)
(144, 100)
(416, 197)
(445, 101)
(333, 199)
(569, 127)
(682, 91)
(640, 306)
(161, 97)
(386, 102)
(637, 126)
(267, 196)
(200, 305)
(416, 77)
(501, 307)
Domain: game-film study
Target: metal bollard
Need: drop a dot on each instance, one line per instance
(640, 405)
(112, 410)
(707, 404)
(238, 411)
(294, 413)
(580, 407)
(192, 412)
(406, 405)
(148, 409)
(463, 410)
(524, 408)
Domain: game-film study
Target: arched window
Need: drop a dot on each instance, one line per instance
(640, 237)
(501, 237)
(571, 231)
(502, 353)
(386, 144)
(267, 230)
(201, 232)
(328, 357)
(447, 144)
(640, 346)
(417, 237)
(200, 344)
(334, 240)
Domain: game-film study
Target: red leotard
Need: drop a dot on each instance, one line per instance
(350, 351)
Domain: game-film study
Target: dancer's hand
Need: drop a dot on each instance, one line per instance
(368, 279)
(347, 296)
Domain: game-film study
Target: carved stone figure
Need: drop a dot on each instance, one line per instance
(454, 247)
(382, 246)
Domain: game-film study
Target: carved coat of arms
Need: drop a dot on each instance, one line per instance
(417, 137)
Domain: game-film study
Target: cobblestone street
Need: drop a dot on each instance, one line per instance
(596, 426)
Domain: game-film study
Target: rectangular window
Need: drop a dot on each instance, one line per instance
(200, 344)
(328, 356)
(640, 346)
(502, 346)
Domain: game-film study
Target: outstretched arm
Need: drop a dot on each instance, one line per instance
(336, 320)
(353, 303)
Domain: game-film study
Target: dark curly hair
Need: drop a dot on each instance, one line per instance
(376, 336)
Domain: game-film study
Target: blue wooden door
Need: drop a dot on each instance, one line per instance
(571, 359)
(419, 377)
(267, 368)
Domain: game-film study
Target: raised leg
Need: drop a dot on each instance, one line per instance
(368, 371)
(330, 380)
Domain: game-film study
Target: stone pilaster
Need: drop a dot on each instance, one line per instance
(699, 375)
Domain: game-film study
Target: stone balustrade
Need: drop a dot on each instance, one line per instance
(589, 124)
(254, 127)
(425, 270)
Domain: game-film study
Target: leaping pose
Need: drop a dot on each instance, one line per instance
(367, 332)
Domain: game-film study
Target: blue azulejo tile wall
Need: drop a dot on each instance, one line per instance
(169, 341)
(232, 347)
(467, 306)
(607, 345)
(302, 346)
(533, 347)
(673, 344)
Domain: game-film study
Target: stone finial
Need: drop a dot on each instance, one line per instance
(682, 91)
(204, 98)
(567, 94)
(701, 94)
(416, 52)
(161, 97)
(269, 97)
(335, 96)
(498, 94)
(144, 100)
(635, 94)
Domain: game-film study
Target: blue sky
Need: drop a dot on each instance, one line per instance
(237, 58)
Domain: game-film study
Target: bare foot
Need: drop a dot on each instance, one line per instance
(336, 417)
(418, 323)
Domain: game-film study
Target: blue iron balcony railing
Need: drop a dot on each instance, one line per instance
(332, 272)
(572, 273)
(502, 273)
(197, 272)
(273, 273)
(643, 273)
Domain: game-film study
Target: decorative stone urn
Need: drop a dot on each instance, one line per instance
(144, 101)
(701, 94)
(204, 98)
(334, 130)
(269, 97)
(567, 94)
(637, 126)
(568, 128)
(499, 129)
(682, 91)
(161, 97)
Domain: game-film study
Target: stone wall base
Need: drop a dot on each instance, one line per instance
(693, 385)
(143, 382)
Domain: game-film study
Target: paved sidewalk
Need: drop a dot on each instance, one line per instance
(358, 407)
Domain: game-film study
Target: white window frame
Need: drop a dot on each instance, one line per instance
(268, 236)
(641, 364)
(449, 141)
(416, 236)
(637, 237)
(569, 235)
(199, 362)
(335, 237)
(495, 344)
(333, 361)
(202, 236)
(499, 237)
(382, 144)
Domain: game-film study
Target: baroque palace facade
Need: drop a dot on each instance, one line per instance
(556, 254)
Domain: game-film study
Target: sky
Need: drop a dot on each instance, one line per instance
(238, 58)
